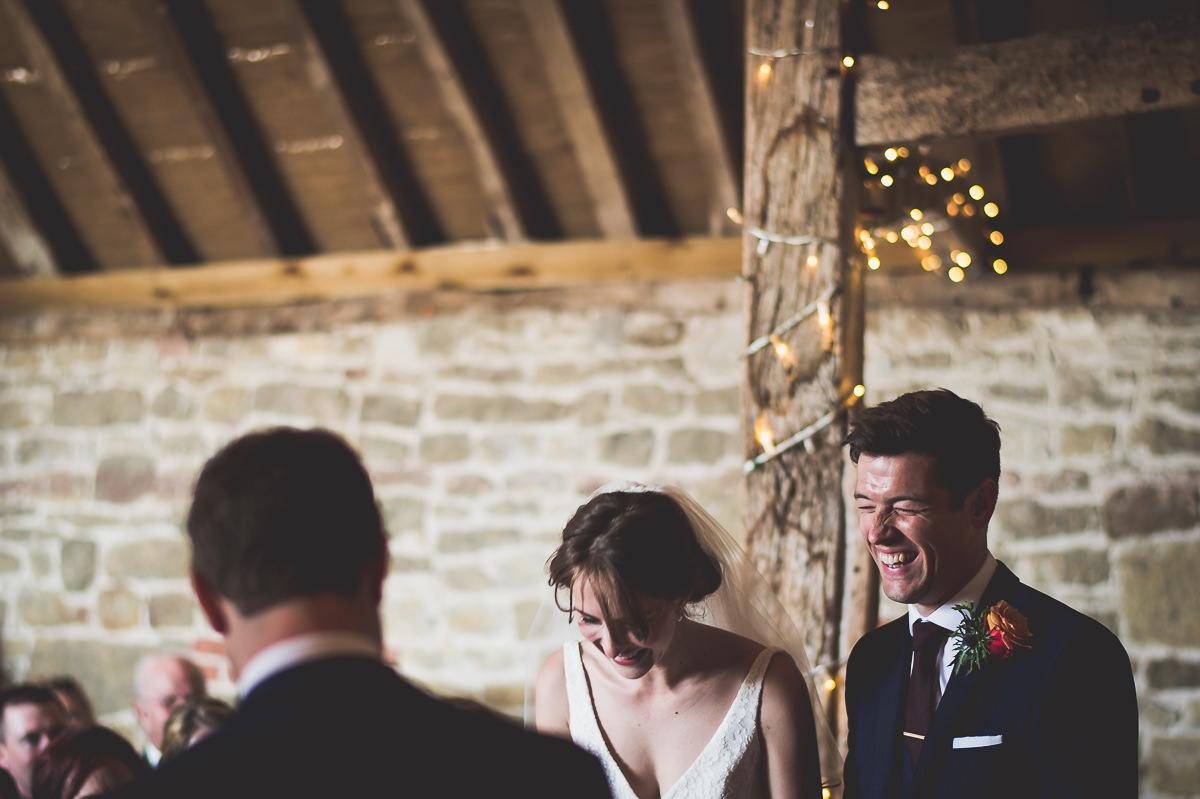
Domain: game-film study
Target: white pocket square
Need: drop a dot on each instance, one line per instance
(976, 741)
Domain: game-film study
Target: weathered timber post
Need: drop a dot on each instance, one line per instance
(800, 263)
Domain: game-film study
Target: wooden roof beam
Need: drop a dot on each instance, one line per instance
(504, 221)
(580, 113)
(400, 212)
(58, 55)
(705, 115)
(24, 242)
(186, 42)
(1027, 84)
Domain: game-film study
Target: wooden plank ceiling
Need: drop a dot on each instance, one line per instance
(203, 135)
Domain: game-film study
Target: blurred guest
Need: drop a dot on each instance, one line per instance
(30, 716)
(85, 761)
(74, 699)
(162, 682)
(8, 786)
(191, 720)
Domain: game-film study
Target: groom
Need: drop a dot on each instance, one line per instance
(1049, 709)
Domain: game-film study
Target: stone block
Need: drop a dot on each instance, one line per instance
(504, 697)
(315, 403)
(476, 619)
(699, 446)
(407, 564)
(403, 513)
(719, 402)
(632, 448)
(1154, 615)
(14, 415)
(1172, 765)
(1086, 389)
(227, 404)
(497, 409)
(445, 448)
(104, 669)
(1063, 482)
(1186, 399)
(400, 411)
(47, 609)
(1077, 567)
(475, 540)
(1097, 439)
(383, 450)
(43, 451)
(466, 579)
(1029, 519)
(653, 400)
(124, 478)
(172, 610)
(163, 558)
(1032, 395)
(471, 485)
(95, 409)
(1172, 673)
(1156, 714)
(1164, 438)
(1149, 508)
(592, 408)
(78, 564)
(118, 608)
(9, 563)
(507, 447)
(171, 403)
(652, 330)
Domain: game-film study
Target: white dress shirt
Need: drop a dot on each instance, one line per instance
(949, 618)
(301, 649)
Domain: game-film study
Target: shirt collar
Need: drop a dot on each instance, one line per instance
(946, 616)
(301, 649)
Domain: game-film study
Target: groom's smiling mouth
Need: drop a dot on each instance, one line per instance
(895, 559)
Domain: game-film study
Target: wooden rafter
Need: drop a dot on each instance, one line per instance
(704, 114)
(580, 113)
(278, 282)
(502, 212)
(186, 42)
(57, 54)
(399, 210)
(26, 245)
(1064, 77)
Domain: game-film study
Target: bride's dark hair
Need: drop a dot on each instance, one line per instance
(627, 541)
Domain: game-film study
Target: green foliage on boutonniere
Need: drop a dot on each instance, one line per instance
(999, 631)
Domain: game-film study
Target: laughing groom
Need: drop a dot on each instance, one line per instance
(1041, 699)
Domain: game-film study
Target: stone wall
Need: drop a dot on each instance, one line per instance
(486, 420)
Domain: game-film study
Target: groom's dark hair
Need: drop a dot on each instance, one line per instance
(964, 442)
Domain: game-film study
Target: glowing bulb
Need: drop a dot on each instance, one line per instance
(859, 390)
(868, 244)
(916, 214)
(964, 165)
(909, 231)
(924, 243)
(831, 685)
(955, 274)
(951, 209)
(762, 432)
(999, 266)
(890, 154)
(812, 262)
(996, 237)
(976, 192)
(963, 259)
(825, 794)
(872, 167)
(931, 179)
(781, 348)
(923, 170)
(734, 214)
(968, 210)
(848, 61)
(959, 197)
(873, 262)
(927, 229)
(947, 174)
(902, 152)
(931, 262)
(892, 237)
(765, 69)
(886, 180)
(991, 209)
(823, 312)
(882, 5)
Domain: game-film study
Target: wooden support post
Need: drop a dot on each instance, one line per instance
(800, 263)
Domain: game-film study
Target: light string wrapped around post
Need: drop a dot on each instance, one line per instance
(770, 453)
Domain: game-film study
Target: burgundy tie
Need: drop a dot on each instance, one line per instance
(927, 641)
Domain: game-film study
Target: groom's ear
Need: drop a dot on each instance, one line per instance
(983, 501)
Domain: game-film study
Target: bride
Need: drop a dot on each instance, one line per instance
(672, 704)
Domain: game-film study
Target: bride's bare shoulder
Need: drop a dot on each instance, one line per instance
(550, 697)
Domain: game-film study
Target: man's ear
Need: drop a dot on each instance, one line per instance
(209, 603)
(983, 502)
(379, 571)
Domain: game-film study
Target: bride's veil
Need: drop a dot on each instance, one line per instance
(744, 604)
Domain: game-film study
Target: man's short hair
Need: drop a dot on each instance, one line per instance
(195, 675)
(25, 693)
(964, 442)
(284, 513)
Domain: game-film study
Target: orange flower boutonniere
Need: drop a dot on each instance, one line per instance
(1000, 631)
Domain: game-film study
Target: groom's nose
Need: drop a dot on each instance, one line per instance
(879, 524)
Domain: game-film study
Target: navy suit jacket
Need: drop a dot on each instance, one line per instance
(348, 726)
(1066, 712)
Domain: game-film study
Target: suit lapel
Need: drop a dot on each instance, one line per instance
(888, 699)
(962, 686)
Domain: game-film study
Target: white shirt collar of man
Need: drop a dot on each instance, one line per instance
(949, 618)
(301, 649)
